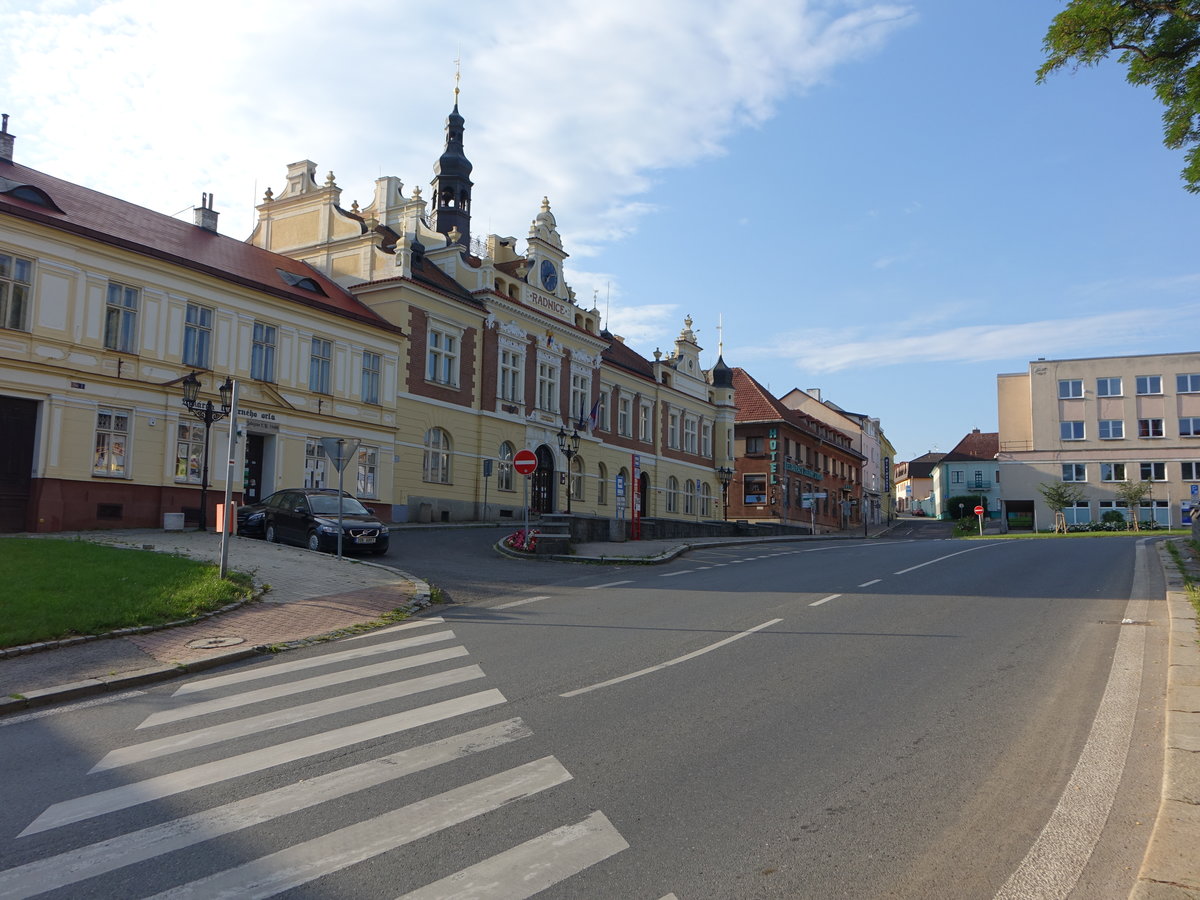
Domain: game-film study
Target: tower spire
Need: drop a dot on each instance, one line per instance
(452, 179)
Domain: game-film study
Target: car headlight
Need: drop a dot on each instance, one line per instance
(383, 529)
(327, 529)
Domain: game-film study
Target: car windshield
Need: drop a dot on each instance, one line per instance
(327, 505)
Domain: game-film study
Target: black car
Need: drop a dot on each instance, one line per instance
(309, 517)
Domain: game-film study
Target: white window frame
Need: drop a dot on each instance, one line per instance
(547, 385)
(673, 494)
(16, 287)
(1191, 428)
(1189, 471)
(673, 429)
(264, 341)
(1070, 388)
(1074, 472)
(189, 452)
(1149, 385)
(320, 366)
(602, 484)
(435, 461)
(1151, 467)
(1156, 511)
(121, 305)
(624, 416)
(316, 464)
(113, 431)
(197, 336)
(372, 376)
(1113, 472)
(1153, 428)
(689, 498)
(575, 481)
(1071, 430)
(706, 499)
(1187, 384)
(706, 444)
(1105, 387)
(1115, 429)
(504, 466)
(443, 346)
(1071, 513)
(510, 379)
(690, 434)
(581, 394)
(368, 471)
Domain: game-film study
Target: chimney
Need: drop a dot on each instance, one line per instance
(205, 215)
(6, 141)
(815, 393)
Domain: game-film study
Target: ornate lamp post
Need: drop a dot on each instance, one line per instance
(568, 445)
(206, 413)
(724, 475)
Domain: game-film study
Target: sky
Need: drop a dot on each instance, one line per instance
(871, 198)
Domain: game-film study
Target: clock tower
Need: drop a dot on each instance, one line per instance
(545, 254)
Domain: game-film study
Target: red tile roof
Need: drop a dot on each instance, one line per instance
(106, 219)
(976, 445)
(756, 404)
(619, 355)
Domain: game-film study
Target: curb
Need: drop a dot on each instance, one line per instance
(674, 553)
(1171, 868)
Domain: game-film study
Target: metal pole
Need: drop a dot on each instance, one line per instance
(341, 464)
(204, 469)
(228, 529)
(525, 497)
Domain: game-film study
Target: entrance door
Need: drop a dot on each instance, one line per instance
(252, 475)
(643, 494)
(18, 422)
(541, 488)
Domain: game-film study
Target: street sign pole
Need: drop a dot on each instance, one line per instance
(227, 524)
(340, 451)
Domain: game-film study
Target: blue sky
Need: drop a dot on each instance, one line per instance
(875, 196)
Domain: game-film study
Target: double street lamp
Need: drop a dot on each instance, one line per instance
(568, 446)
(724, 475)
(206, 413)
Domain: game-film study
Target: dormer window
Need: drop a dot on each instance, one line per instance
(304, 282)
(28, 193)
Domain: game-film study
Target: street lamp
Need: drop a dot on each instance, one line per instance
(724, 475)
(206, 413)
(568, 445)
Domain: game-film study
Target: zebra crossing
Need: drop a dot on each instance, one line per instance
(522, 870)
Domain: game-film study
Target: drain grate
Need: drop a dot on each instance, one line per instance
(214, 643)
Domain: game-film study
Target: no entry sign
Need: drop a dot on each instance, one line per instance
(525, 462)
(979, 510)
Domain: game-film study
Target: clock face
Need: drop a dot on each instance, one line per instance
(549, 275)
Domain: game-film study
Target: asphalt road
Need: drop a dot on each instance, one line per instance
(876, 719)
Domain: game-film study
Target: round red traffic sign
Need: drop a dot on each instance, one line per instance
(979, 510)
(525, 462)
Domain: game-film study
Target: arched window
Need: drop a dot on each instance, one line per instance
(672, 494)
(602, 484)
(689, 498)
(504, 477)
(436, 465)
(576, 478)
(706, 498)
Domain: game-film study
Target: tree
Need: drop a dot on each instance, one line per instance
(1159, 43)
(1058, 496)
(1133, 493)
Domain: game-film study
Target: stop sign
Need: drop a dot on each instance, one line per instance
(979, 510)
(525, 462)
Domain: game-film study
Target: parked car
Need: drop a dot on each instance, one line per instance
(918, 511)
(309, 517)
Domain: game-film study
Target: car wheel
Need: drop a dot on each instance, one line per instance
(314, 541)
(271, 534)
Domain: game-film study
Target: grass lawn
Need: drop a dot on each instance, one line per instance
(55, 589)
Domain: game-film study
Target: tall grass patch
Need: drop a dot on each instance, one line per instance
(52, 589)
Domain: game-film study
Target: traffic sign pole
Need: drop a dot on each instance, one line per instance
(525, 463)
(979, 511)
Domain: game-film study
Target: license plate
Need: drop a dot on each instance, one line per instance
(364, 540)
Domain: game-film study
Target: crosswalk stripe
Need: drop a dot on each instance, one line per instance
(307, 861)
(156, 788)
(147, 843)
(403, 626)
(290, 688)
(531, 867)
(328, 659)
(522, 602)
(215, 734)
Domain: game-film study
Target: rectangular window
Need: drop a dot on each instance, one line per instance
(1078, 514)
(1070, 431)
(262, 353)
(1069, 389)
(624, 414)
(120, 318)
(1112, 471)
(1149, 384)
(1156, 511)
(706, 439)
(368, 470)
(581, 391)
(956, 477)
(1187, 384)
(755, 445)
(1189, 427)
(320, 364)
(1190, 471)
(547, 386)
(442, 364)
(1120, 505)
(112, 442)
(189, 452)
(602, 411)
(372, 369)
(673, 431)
(1108, 387)
(644, 423)
(1150, 428)
(754, 489)
(512, 376)
(1111, 429)
(1074, 472)
(16, 282)
(1154, 471)
(315, 463)
(197, 336)
(689, 435)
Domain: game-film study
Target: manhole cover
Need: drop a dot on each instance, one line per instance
(214, 643)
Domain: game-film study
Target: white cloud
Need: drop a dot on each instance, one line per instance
(827, 350)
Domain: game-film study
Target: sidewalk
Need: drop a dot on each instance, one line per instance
(301, 595)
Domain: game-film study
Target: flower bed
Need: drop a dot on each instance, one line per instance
(524, 540)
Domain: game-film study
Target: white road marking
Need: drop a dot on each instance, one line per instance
(673, 574)
(306, 712)
(123, 797)
(825, 599)
(671, 662)
(947, 556)
(312, 859)
(1057, 858)
(596, 587)
(72, 707)
(403, 626)
(871, 582)
(290, 688)
(531, 867)
(522, 602)
(147, 843)
(313, 662)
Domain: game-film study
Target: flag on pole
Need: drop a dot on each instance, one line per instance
(594, 417)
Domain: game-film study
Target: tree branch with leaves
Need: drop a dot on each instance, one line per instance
(1058, 496)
